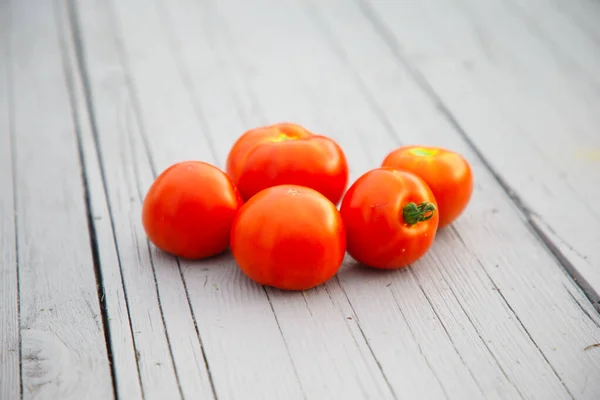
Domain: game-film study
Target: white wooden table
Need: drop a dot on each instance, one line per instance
(98, 96)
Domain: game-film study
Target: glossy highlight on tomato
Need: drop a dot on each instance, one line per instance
(289, 237)
(189, 209)
(286, 153)
(447, 174)
(390, 218)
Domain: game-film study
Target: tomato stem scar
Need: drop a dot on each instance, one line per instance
(423, 152)
(414, 213)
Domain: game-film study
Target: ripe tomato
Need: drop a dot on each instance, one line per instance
(287, 153)
(189, 209)
(447, 174)
(390, 218)
(289, 237)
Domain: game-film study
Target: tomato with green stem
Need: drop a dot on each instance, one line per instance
(446, 172)
(390, 218)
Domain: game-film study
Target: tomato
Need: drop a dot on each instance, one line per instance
(289, 237)
(287, 153)
(447, 174)
(390, 218)
(189, 209)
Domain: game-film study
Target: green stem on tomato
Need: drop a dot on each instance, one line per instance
(414, 213)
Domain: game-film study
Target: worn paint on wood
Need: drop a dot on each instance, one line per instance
(10, 378)
(117, 319)
(63, 352)
(255, 106)
(160, 317)
(515, 91)
(488, 313)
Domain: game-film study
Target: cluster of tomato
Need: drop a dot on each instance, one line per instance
(276, 207)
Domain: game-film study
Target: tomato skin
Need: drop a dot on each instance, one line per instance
(189, 209)
(289, 237)
(447, 174)
(377, 233)
(286, 153)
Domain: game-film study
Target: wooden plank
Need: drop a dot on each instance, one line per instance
(10, 372)
(268, 67)
(529, 279)
(64, 353)
(311, 325)
(221, 305)
(505, 86)
(583, 13)
(163, 328)
(223, 300)
(573, 47)
(117, 322)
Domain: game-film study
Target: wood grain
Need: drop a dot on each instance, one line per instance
(308, 323)
(533, 288)
(505, 85)
(10, 372)
(488, 313)
(64, 354)
(117, 321)
(223, 301)
(162, 324)
(297, 108)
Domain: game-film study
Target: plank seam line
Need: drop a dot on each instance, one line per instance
(338, 50)
(255, 106)
(414, 275)
(186, 80)
(204, 356)
(162, 316)
(419, 344)
(137, 114)
(578, 279)
(88, 208)
(140, 195)
(255, 102)
(350, 331)
(83, 74)
(381, 29)
(364, 336)
(202, 120)
(13, 162)
(514, 313)
(582, 308)
(388, 126)
(478, 333)
(287, 348)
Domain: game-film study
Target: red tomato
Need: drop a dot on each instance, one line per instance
(447, 174)
(287, 153)
(189, 209)
(289, 237)
(390, 218)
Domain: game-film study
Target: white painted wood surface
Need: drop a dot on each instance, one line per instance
(63, 350)
(268, 61)
(10, 380)
(161, 321)
(488, 313)
(116, 309)
(515, 89)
